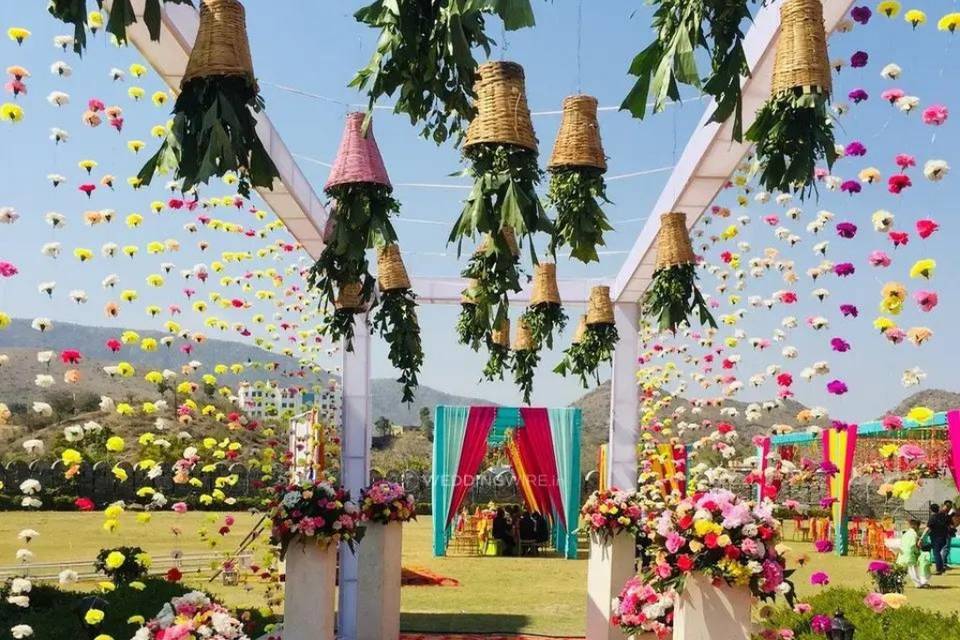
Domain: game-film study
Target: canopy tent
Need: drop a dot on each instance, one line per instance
(543, 447)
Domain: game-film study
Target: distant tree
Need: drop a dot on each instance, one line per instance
(382, 426)
(426, 423)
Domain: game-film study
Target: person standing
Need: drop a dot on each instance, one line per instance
(911, 556)
(948, 511)
(937, 531)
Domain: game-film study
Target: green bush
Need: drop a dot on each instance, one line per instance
(905, 623)
(134, 566)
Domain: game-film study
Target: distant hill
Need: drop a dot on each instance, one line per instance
(935, 399)
(387, 395)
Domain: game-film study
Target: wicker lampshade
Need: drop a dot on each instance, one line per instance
(509, 236)
(523, 341)
(578, 141)
(391, 273)
(545, 288)
(358, 158)
(502, 113)
(801, 61)
(581, 330)
(349, 298)
(599, 306)
(673, 241)
(222, 47)
(501, 335)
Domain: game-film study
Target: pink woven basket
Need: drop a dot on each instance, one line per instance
(358, 159)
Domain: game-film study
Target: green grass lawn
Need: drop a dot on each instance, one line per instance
(531, 595)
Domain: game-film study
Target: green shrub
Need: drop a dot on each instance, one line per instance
(134, 566)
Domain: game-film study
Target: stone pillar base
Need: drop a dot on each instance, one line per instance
(611, 564)
(309, 591)
(703, 611)
(379, 556)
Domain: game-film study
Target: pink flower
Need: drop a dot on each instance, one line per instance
(771, 220)
(905, 161)
(896, 335)
(837, 387)
(926, 228)
(927, 300)
(844, 269)
(820, 623)
(180, 507)
(892, 95)
(819, 578)
(802, 608)
(88, 188)
(859, 59)
(858, 95)
(849, 310)
(7, 270)
(879, 259)
(850, 186)
(875, 601)
(856, 148)
(935, 114)
(846, 229)
(878, 566)
(95, 105)
(892, 423)
(823, 546)
(840, 345)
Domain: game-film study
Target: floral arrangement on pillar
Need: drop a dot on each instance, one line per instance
(793, 129)
(214, 124)
(387, 502)
(683, 27)
(359, 220)
(396, 318)
(194, 615)
(608, 513)
(641, 608)
(503, 205)
(318, 512)
(425, 57)
(545, 313)
(576, 169)
(122, 15)
(673, 295)
(526, 357)
(594, 344)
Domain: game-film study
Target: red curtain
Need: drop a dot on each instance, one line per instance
(479, 421)
(536, 447)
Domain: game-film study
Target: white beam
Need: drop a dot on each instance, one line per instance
(624, 401)
(448, 290)
(711, 156)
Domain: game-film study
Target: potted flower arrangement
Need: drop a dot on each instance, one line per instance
(192, 615)
(123, 565)
(642, 608)
(888, 578)
(608, 513)
(387, 502)
(313, 510)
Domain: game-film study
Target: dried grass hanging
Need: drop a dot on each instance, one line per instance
(498, 350)
(396, 318)
(595, 339)
(545, 316)
(526, 357)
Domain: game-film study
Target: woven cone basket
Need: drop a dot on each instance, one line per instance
(391, 273)
(801, 61)
(464, 296)
(348, 298)
(509, 236)
(578, 141)
(545, 288)
(358, 158)
(673, 241)
(599, 307)
(523, 341)
(502, 112)
(222, 47)
(501, 335)
(581, 330)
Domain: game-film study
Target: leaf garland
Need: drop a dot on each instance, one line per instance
(670, 60)
(792, 133)
(584, 358)
(673, 297)
(543, 320)
(214, 133)
(495, 271)
(497, 360)
(122, 15)
(425, 56)
(473, 323)
(396, 321)
(524, 365)
(581, 222)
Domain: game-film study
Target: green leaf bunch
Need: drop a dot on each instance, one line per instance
(574, 192)
(498, 358)
(673, 297)
(122, 15)
(543, 320)
(584, 358)
(396, 321)
(523, 366)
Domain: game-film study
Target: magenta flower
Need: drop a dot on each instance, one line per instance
(892, 423)
(905, 161)
(840, 425)
(898, 182)
(823, 546)
(892, 95)
(898, 238)
(878, 566)
(926, 227)
(820, 623)
(850, 186)
(819, 578)
(858, 95)
(846, 229)
(855, 148)
(7, 270)
(861, 14)
(88, 188)
(837, 387)
(95, 105)
(859, 59)
(840, 345)
(935, 114)
(771, 220)
(826, 503)
(844, 269)
(849, 310)
(878, 258)
(927, 300)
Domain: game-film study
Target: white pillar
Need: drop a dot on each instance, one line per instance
(309, 590)
(380, 555)
(703, 608)
(355, 446)
(612, 562)
(624, 401)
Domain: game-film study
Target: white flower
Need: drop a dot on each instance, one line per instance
(21, 631)
(55, 178)
(44, 357)
(62, 42)
(935, 170)
(907, 103)
(110, 281)
(58, 98)
(34, 447)
(912, 377)
(73, 433)
(61, 68)
(29, 502)
(109, 250)
(24, 555)
(783, 198)
(55, 220)
(19, 601)
(91, 427)
(21, 585)
(50, 249)
(47, 287)
(44, 381)
(107, 405)
(30, 486)
(891, 72)
(59, 135)
(68, 576)
(43, 409)
(78, 295)
(8, 215)
(117, 74)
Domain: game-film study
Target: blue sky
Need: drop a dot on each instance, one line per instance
(316, 47)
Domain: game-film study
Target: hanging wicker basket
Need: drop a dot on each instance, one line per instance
(349, 298)
(358, 158)
(599, 307)
(509, 236)
(581, 330)
(578, 141)
(523, 341)
(501, 335)
(673, 241)
(801, 61)
(465, 297)
(391, 273)
(222, 47)
(502, 113)
(545, 290)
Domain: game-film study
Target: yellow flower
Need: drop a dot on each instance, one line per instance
(144, 560)
(93, 617)
(103, 636)
(157, 206)
(143, 517)
(11, 112)
(148, 344)
(915, 17)
(135, 182)
(128, 295)
(138, 70)
(126, 370)
(136, 145)
(889, 8)
(18, 34)
(159, 131)
(88, 165)
(129, 337)
(115, 444)
(920, 415)
(125, 409)
(159, 98)
(70, 457)
(82, 254)
(949, 22)
(888, 450)
(120, 474)
(155, 280)
(4, 320)
(114, 560)
(882, 324)
(140, 620)
(95, 20)
(111, 525)
(131, 250)
(134, 220)
(113, 512)
(136, 93)
(923, 268)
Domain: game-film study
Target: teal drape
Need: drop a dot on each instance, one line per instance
(565, 428)
(450, 426)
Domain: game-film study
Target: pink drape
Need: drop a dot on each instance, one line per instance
(539, 443)
(953, 434)
(479, 421)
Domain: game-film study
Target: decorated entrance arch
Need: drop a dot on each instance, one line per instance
(543, 446)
